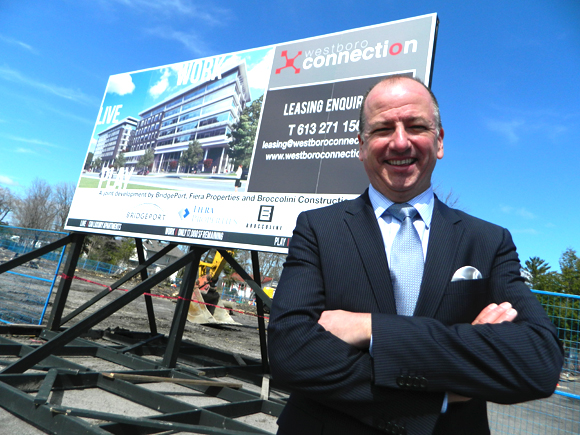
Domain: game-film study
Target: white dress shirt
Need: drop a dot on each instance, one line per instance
(389, 226)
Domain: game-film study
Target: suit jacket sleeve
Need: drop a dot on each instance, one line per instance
(505, 363)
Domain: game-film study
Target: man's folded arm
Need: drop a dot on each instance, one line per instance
(506, 363)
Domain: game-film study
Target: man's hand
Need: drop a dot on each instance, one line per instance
(493, 313)
(353, 328)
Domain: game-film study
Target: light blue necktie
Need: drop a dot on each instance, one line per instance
(406, 260)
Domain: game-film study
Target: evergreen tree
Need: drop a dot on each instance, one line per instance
(570, 276)
(101, 248)
(244, 134)
(125, 250)
(536, 270)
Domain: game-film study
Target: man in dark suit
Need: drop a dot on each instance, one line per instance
(337, 336)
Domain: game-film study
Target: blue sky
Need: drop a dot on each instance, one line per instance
(506, 76)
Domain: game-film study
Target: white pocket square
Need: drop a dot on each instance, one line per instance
(465, 273)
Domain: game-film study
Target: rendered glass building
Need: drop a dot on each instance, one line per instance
(113, 140)
(204, 112)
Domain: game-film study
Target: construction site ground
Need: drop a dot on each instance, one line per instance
(241, 339)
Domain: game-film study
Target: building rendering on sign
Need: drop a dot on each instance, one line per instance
(203, 111)
(114, 140)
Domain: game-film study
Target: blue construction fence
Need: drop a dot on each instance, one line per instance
(560, 413)
(26, 289)
(99, 266)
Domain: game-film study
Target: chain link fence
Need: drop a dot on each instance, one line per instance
(560, 413)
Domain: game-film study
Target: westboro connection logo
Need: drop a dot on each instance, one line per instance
(337, 54)
(289, 62)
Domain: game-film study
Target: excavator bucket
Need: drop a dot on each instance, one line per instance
(199, 313)
(214, 312)
(222, 315)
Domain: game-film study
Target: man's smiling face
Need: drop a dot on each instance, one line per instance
(400, 143)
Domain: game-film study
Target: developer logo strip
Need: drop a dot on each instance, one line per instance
(341, 54)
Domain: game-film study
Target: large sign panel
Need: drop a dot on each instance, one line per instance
(226, 151)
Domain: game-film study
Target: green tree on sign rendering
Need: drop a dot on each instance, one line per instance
(120, 161)
(244, 134)
(89, 161)
(191, 156)
(146, 160)
(97, 163)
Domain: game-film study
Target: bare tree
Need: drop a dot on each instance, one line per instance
(6, 203)
(35, 208)
(449, 198)
(271, 264)
(62, 199)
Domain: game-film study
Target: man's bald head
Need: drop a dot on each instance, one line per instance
(394, 79)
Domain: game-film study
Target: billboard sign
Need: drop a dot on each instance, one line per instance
(226, 151)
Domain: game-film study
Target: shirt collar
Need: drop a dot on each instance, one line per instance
(423, 202)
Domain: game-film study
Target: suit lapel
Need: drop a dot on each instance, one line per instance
(361, 220)
(444, 238)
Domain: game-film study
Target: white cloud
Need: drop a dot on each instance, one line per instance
(508, 129)
(31, 141)
(7, 180)
(17, 42)
(12, 75)
(181, 8)
(259, 75)
(521, 212)
(231, 62)
(190, 40)
(552, 122)
(25, 151)
(162, 84)
(121, 84)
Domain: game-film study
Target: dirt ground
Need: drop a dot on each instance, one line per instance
(16, 292)
(17, 289)
(242, 339)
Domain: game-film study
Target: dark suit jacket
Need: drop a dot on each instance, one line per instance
(337, 261)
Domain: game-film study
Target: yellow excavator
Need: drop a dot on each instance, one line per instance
(205, 290)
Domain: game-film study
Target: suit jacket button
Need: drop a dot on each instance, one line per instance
(401, 381)
(416, 382)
